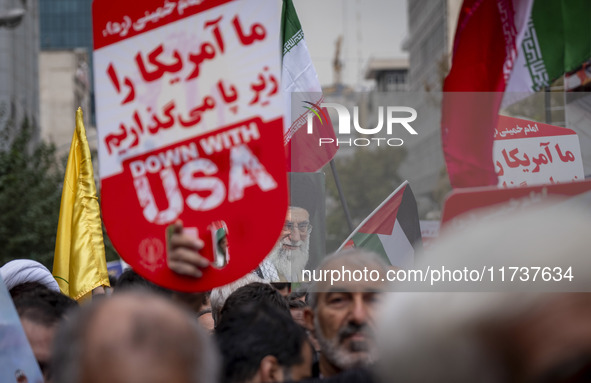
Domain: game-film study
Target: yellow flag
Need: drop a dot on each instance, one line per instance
(79, 263)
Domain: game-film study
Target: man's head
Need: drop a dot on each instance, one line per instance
(291, 253)
(206, 320)
(296, 228)
(130, 280)
(283, 288)
(297, 308)
(260, 343)
(20, 271)
(255, 292)
(133, 336)
(219, 295)
(531, 331)
(342, 312)
(40, 310)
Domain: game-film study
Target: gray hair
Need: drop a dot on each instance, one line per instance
(356, 258)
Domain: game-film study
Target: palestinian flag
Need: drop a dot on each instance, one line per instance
(392, 230)
(303, 95)
(557, 40)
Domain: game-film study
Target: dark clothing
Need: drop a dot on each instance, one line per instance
(354, 375)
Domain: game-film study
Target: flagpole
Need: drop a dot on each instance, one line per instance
(341, 196)
(548, 104)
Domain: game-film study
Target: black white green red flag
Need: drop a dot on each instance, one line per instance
(302, 89)
(391, 230)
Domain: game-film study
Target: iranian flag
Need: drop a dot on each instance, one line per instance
(303, 95)
(485, 47)
(557, 40)
(391, 230)
(503, 51)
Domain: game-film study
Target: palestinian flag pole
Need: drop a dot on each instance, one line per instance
(557, 40)
(391, 230)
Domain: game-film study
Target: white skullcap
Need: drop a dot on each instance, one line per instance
(26, 270)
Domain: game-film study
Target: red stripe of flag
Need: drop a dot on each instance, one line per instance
(482, 47)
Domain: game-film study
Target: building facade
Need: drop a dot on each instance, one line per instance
(66, 69)
(64, 86)
(66, 25)
(429, 44)
(19, 78)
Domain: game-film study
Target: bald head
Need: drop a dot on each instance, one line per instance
(134, 337)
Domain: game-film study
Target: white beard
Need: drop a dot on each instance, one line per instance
(290, 263)
(337, 354)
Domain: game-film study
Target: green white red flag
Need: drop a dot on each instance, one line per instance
(391, 230)
(557, 40)
(302, 89)
(503, 47)
(485, 46)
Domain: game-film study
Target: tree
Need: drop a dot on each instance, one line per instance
(30, 194)
(31, 179)
(367, 177)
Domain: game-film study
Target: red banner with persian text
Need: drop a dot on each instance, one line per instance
(190, 122)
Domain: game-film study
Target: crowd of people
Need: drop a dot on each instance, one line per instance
(334, 331)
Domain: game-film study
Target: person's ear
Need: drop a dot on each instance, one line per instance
(312, 331)
(269, 370)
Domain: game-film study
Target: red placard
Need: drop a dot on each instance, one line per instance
(528, 153)
(462, 205)
(190, 122)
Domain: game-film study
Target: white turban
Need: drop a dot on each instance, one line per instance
(26, 270)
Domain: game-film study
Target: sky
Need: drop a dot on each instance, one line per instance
(370, 28)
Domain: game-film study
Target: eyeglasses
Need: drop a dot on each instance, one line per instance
(302, 227)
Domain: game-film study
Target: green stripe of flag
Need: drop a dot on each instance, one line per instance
(291, 31)
(558, 39)
(370, 242)
(577, 33)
